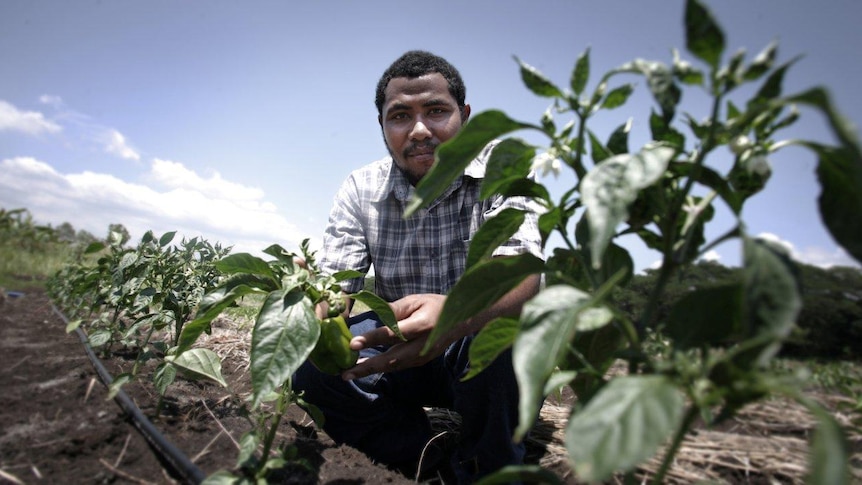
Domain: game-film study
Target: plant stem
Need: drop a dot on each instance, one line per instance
(669, 455)
(143, 350)
(280, 407)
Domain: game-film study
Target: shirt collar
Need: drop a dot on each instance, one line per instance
(397, 184)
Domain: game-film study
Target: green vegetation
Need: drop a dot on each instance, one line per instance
(30, 252)
(694, 352)
(700, 340)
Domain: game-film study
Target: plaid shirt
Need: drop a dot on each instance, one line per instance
(425, 253)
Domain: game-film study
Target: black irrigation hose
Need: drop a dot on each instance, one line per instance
(169, 455)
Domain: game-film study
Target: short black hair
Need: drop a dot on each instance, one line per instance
(413, 64)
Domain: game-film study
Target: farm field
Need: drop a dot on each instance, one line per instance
(59, 427)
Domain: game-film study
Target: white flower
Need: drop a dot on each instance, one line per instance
(739, 144)
(545, 163)
(759, 165)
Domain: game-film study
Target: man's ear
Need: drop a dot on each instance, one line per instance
(465, 113)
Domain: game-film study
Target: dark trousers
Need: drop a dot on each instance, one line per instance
(382, 414)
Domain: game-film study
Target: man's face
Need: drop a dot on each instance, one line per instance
(419, 114)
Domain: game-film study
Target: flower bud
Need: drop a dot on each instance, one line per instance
(739, 144)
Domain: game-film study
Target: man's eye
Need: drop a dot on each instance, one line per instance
(398, 116)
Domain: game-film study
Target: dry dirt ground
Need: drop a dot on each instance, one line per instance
(56, 425)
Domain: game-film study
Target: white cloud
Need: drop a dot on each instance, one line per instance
(29, 122)
(813, 255)
(92, 201)
(775, 239)
(711, 255)
(176, 176)
(51, 100)
(115, 143)
(824, 258)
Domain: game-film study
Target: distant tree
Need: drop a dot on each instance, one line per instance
(704, 274)
(120, 231)
(65, 232)
(830, 323)
(85, 238)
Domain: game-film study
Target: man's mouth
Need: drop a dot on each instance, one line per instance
(421, 152)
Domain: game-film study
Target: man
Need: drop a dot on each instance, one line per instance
(377, 406)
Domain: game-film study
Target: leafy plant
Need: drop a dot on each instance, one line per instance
(287, 331)
(721, 338)
(131, 294)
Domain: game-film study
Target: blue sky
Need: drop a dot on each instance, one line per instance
(237, 121)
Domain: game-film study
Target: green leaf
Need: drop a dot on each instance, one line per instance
(480, 287)
(510, 161)
(347, 274)
(521, 474)
(599, 151)
(211, 306)
(703, 35)
(381, 308)
(284, 334)
(199, 363)
(494, 232)
(453, 156)
(244, 263)
(596, 352)
(840, 174)
(712, 179)
(248, 444)
(707, 316)
(167, 238)
(164, 376)
(117, 384)
(280, 254)
(73, 325)
(222, 477)
(771, 88)
(537, 82)
(609, 188)
(662, 131)
(99, 337)
(581, 72)
(772, 298)
(623, 425)
(618, 142)
(843, 128)
(548, 322)
(762, 63)
(617, 97)
(494, 338)
(94, 247)
(829, 456)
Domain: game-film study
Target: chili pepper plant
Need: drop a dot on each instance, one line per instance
(132, 294)
(720, 339)
(287, 331)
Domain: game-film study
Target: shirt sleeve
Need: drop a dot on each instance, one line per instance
(345, 246)
(527, 239)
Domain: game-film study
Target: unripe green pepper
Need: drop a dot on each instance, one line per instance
(332, 354)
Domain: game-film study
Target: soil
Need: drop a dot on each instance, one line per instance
(58, 426)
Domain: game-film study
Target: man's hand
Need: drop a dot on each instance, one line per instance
(417, 315)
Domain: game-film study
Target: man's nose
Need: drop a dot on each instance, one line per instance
(420, 131)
